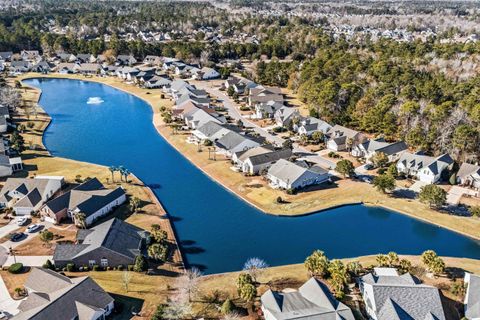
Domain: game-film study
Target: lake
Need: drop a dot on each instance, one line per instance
(218, 231)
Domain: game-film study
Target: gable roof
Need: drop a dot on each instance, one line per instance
(290, 171)
(418, 161)
(472, 299)
(313, 300)
(468, 170)
(115, 235)
(403, 297)
(57, 297)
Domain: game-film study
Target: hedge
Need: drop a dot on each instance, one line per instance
(16, 268)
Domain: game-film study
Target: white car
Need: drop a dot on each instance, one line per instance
(3, 315)
(22, 221)
(33, 228)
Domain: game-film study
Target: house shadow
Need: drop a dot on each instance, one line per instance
(404, 193)
(125, 307)
(453, 309)
(318, 187)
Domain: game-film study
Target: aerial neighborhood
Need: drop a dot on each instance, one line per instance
(239, 160)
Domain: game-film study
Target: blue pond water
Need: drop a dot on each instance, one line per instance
(217, 230)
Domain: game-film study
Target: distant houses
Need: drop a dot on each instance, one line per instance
(422, 167)
(469, 176)
(26, 195)
(292, 176)
(389, 295)
(111, 243)
(52, 295)
(312, 300)
(89, 198)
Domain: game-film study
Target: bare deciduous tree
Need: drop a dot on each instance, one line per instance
(254, 267)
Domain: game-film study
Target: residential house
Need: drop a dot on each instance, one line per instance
(285, 115)
(267, 109)
(309, 125)
(157, 82)
(211, 131)
(206, 74)
(469, 175)
(369, 148)
(263, 95)
(254, 161)
(89, 68)
(472, 296)
(341, 138)
(66, 68)
(111, 243)
(289, 175)
(422, 167)
(178, 85)
(388, 296)
(234, 142)
(239, 85)
(86, 58)
(311, 301)
(66, 57)
(9, 162)
(52, 295)
(27, 195)
(126, 60)
(20, 66)
(199, 116)
(152, 60)
(199, 101)
(90, 198)
(30, 55)
(6, 55)
(42, 67)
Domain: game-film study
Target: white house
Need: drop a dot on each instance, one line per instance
(288, 175)
(311, 301)
(255, 160)
(341, 138)
(285, 115)
(310, 125)
(90, 198)
(209, 131)
(388, 295)
(469, 176)
(472, 296)
(206, 74)
(234, 142)
(369, 148)
(28, 195)
(267, 109)
(197, 117)
(424, 168)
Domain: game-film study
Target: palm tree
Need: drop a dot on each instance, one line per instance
(121, 169)
(126, 173)
(81, 220)
(112, 170)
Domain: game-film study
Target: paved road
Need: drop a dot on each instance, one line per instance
(233, 111)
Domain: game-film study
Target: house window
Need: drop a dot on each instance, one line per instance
(91, 263)
(104, 262)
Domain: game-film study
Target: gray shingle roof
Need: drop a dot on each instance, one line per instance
(473, 297)
(312, 301)
(56, 297)
(467, 170)
(271, 156)
(116, 235)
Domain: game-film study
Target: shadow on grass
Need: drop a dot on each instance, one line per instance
(125, 307)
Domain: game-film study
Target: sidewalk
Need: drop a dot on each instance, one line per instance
(7, 304)
(29, 261)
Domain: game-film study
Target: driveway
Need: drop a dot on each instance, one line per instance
(7, 304)
(456, 193)
(29, 261)
(9, 228)
(417, 186)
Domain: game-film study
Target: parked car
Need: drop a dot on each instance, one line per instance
(17, 236)
(22, 221)
(367, 179)
(368, 166)
(3, 315)
(33, 228)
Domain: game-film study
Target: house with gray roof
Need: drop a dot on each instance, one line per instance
(472, 296)
(111, 243)
(27, 195)
(90, 198)
(254, 161)
(6, 55)
(262, 95)
(197, 117)
(206, 74)
(89, 68)
(422, 167)
(284, 116)
(210, 131)
(152, 60)
(311, 301)
(369, 148)
(309, 125)
(85, 58)
(469, 175)
(42, 67)
(126, 60)
(267, 109)
(284, 174)
(54, 296)
(389, 295)
(341, 138)
(20, 66)
(234, 142)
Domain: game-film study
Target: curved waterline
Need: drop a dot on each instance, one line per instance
(217, 230)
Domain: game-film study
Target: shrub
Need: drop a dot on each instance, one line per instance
(48, 265)
(70, 267)
(16, 268)
(140, 264)
(130, 267)
(227, 307)
(279, 200)
(120, 267)
(291, 191)
(96, 267)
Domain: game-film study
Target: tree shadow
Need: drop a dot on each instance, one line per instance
(125, 307)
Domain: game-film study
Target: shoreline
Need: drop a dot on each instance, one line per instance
(177, 255)
(159, 124)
